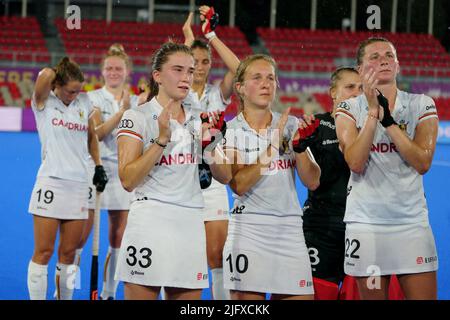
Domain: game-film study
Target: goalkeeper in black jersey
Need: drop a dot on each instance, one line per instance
(324, 208)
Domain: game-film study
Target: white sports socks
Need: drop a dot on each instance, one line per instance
(65, 280)
(37, 281)
(109, 284)
(218, 291)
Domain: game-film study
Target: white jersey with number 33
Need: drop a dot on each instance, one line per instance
(174, 178)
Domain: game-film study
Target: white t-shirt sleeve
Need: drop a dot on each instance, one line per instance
(131, 125)
(427, 109)
(348, 109)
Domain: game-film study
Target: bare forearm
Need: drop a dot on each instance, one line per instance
(221, 172)
(357, 153)
(419, 158)
(94, 148)
(109, 125)
(220, 165)
(246, 177)
(227, 56)
(132, 174)
(308, 170)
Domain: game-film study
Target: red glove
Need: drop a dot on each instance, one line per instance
(306, 136)
(217, 131)
(210, 22)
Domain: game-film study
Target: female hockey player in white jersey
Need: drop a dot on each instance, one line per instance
(60, 195)
(211, 97)
(265, 251)
(158, 153)
(388, 138)
(112, 100)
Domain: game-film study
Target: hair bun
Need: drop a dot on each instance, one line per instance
(116, 48)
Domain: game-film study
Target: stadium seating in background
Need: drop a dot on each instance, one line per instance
(21, 40)
(302, 50)
(140, 40)
(16, 94)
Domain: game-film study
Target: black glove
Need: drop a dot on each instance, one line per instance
(205, 175)
(100, 179)
(387, 117)
(306, 136)
(217, 132)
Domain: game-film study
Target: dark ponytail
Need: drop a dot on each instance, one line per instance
(67, 70)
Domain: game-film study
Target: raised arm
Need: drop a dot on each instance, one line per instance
(187, 30)
(43, 86)
(105, 128)
(209, 22)
(356, 145)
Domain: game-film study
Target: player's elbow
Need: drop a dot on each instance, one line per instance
(223, 179)
(126, 185)
(125, 180)
(423, 168)
(238, 189)
(314, 185)
(221, 176)
(356, 169)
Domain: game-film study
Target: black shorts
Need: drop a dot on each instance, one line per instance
(326, 247)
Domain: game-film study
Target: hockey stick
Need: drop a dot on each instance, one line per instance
(93, 292)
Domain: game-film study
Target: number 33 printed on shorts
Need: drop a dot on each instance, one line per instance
(140, 257)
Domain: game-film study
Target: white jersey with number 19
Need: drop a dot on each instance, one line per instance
(63, 132)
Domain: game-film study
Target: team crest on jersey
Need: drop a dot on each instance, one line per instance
(403, 125)
(81, 113)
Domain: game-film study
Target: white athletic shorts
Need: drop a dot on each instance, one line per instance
(375, 249)
(59, 199)
(163, 245)
(216, 202)
(267, 254)
(114, 197)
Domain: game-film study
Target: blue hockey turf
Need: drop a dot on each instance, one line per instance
(20, 160)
